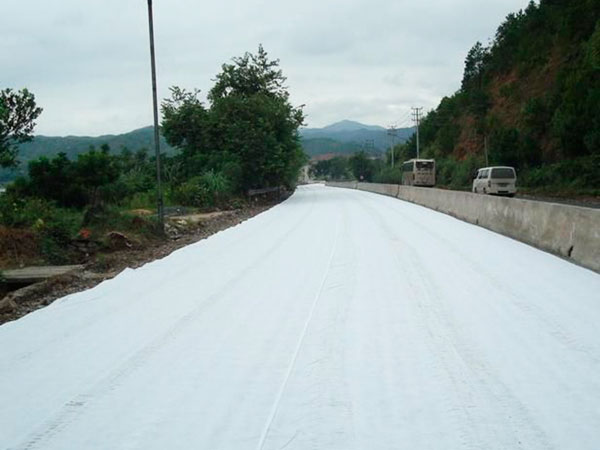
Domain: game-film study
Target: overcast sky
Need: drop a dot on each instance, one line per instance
(87, 62)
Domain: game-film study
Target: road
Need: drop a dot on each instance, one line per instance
(338, 319)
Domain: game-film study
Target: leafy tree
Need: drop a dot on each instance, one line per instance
(403, 152)
(475, 66)
(593, 49)
(55, 179)
(95, 169)
(331, 169)
(251, 75)
(250, 131)
(256, 122)
(70, 183)
(185, 122)
(362, 167)
(18, 112)
(506, 42)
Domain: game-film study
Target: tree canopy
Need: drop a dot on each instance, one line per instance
(474, 65)
(18, 112)
(249, 132)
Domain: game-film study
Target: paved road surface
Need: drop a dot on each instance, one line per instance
(336, 320)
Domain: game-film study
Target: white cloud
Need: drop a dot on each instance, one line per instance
(88, 62)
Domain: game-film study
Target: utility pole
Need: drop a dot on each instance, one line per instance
(416, 119)
(160, 209)
(485, 149)
(392, 132)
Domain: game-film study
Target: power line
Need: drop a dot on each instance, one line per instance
(405, 120)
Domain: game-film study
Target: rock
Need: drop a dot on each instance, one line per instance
(172, 231)
(118, 240)
(7, 305)
(85, 246)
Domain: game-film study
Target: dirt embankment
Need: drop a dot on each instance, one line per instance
(182, 231)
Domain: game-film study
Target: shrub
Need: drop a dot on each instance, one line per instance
(208, 190)
(574, 175)
(457, 174)
(24, 212)
(55, 234)
(143, 200)
(389, 175)
(52, 227)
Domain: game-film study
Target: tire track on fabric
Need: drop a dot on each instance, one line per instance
(292, 364)
(465, 367)
(137, 299)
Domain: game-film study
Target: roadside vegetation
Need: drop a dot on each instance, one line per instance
(359, 166)
(530, 99)
(65, 208)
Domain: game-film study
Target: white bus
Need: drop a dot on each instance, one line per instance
(418, 172)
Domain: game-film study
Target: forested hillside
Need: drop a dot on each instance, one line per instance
(321, 146)
(72, 146)
(531, 99)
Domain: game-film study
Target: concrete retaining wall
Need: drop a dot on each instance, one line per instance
(569, 231)
(342, 184)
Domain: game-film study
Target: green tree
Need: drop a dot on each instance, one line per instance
(55, 179)
(70, 183)
(185, 123)
(475, 66)
(255, 121)
(18, 112)
(94, 170)
(331, 169)
(249, 133)
(362, 167)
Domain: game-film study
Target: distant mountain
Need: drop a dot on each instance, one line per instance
(350, 125)
(73, 145)
(344, 138)
(348, 137)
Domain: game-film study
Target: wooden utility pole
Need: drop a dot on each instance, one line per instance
(417, 118)
(392, 132)
(160, 209)
(485, 149)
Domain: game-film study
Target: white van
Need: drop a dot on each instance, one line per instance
(499, 180)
